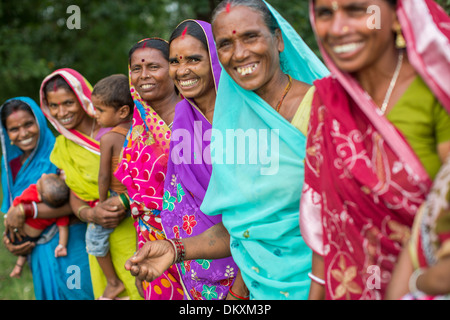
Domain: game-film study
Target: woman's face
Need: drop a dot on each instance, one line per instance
(22, 130)
(247, 49)
(190, 67)
(150, 74)
(355, 33)
(65, 108)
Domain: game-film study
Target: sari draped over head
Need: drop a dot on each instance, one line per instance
(363, 182)
(78, 155)
(188, 173)
(82, 166)
(256, 183)
(37, 163)
(142, 170)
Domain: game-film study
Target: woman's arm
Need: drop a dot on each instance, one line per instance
(157, 256)
(317, 290)
(398, 285)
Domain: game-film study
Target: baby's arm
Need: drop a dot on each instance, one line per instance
(104, 174)
(61, 249)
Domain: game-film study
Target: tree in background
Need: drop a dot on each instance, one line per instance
(35, 38)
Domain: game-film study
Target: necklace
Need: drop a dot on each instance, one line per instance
(286, 90)
(392, 84)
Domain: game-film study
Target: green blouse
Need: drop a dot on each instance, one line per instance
(423, 122)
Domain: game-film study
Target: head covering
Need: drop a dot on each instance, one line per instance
(82, 89)
(76, 154)
(379, 182)
(187, 179)
(259, 196)
(37, 163)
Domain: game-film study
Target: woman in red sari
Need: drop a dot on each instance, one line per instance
(368, 166)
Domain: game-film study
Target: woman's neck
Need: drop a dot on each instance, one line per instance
(88, 126)
(272, 91)
(165, 107)
(206, 104)
(376, 79)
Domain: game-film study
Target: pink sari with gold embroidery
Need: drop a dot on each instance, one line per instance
(363, 182)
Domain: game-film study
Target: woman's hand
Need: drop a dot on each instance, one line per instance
(109, 213)
(22, 249)
(151, 260)
(15, 219)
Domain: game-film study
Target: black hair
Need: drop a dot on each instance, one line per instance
(56, 192)
(257, 5)
(13, 106)
(193, 29)
(55, 83)
(114, 91)
(154, 43)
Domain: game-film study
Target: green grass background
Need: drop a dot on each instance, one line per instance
(12, 288)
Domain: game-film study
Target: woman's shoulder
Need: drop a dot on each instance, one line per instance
(301, 117)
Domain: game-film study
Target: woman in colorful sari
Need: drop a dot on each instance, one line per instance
(378, 133)
(143, 166)
(195, 69)
(258, 199)
(65, 100)
(26, 156)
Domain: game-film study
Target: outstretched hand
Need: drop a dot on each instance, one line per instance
(151, 260)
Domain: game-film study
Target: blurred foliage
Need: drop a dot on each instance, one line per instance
(35, 39)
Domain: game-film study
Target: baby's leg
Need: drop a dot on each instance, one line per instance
(17, 270)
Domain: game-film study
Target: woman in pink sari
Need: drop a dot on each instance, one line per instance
(143, 166)
(368, 167)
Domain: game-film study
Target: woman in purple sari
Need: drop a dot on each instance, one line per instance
(195, 69)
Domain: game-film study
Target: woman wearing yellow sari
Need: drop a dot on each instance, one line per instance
(65, 101)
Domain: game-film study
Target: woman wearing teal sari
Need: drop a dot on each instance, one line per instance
(257, 187)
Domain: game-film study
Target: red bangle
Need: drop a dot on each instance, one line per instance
(180, 251)
(238, 296)
(28, 210)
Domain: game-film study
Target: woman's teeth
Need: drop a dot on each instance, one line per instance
(27, 141)
(243, 71)
(66, 120)
(346, 48)
(188, 83)
(147, 86)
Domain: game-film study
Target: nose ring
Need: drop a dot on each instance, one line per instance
(345, 29)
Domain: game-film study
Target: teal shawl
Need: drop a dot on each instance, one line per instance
(257, 187)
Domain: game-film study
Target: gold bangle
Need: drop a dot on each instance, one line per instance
(79, 211)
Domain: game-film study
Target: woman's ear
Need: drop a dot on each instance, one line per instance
(279, 39)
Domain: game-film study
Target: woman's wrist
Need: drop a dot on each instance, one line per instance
(178, 249)
(81, 210)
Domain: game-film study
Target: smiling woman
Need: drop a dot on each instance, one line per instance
(380, 161)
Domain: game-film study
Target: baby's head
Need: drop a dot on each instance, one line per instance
(112, 100)
(52, 190)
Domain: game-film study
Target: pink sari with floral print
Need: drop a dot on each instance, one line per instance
(363, 182)
(142, 170)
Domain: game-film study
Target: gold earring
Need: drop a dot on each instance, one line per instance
(400, 42)
(12, 143)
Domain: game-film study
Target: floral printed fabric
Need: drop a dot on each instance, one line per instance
(184, 190)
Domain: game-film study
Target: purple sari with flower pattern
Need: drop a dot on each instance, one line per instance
(188, 174)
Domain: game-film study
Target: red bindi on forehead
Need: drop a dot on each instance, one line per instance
(228, 8)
